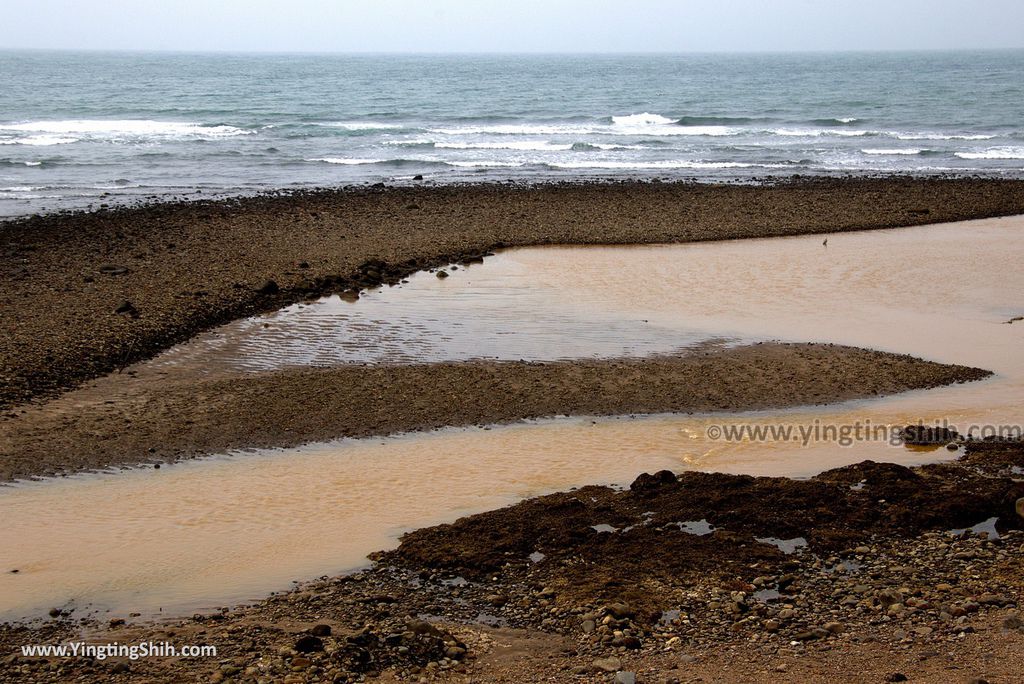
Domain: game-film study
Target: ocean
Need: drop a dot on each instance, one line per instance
(81, 130)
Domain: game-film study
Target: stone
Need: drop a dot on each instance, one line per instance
(620, 611)
(422, 627)
(834, 627)
(625, 677)
(269, 287)
(771, 625)
(928, 436)
(589, 626)
(630, 642)
(128, 309)
(1013, 621)
(116, 622)
(442, 274)
(896, 677)
(1020, 507)
(320, 630)
(612, 664)
(309, 644)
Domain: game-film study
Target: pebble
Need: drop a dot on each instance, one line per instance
(611, 664)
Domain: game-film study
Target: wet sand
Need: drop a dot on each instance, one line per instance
(890, 519)
(84, 294)
(152, 421)
(678, 577)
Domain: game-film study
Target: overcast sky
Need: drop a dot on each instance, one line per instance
(512, 25)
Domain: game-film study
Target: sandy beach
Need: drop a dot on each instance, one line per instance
(88, 293)
(682, 576)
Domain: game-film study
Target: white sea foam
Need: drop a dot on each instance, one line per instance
(819, 132)
(363, 125)
(518, 129)
(994, 153)
(645, 119)
(350, 162)
(39, 140)
(941, 136)
(538, 146)
(71, 130)
(485, 163)
(653, 130)
(665, 164)
(892, 151)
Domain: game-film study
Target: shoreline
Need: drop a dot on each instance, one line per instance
(879, 572)
(88, 293)
(126, 421)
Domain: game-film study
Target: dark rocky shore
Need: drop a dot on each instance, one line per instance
(87, 293)
(680, 578)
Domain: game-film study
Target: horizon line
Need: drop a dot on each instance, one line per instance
(497, 53)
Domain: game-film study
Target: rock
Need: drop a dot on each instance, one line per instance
(422, 627)
(309, 644)
(455, 653)
(54, 612)
(862, 550)
(771, 625)
(625, 677)
(992, 600)
(810, 634)
(116, 622)
(834, 627)
(620, 611)
(418, 176)
(921, 435)
(630, 642)
(1020, 507)
(646, 482)
(442, 274)
(588, 626)
(269, 287)
(612, 664)
(127, 308)
(112, 269)
(120, 668)
(320, 630)
(1013, 621)
(896, 677)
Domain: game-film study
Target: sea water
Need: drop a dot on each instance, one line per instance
(83, 129)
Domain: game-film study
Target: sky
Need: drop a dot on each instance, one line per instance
(511, 25)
